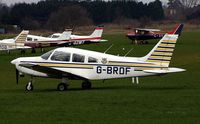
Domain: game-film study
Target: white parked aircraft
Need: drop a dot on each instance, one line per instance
(67, 38)
(96, 36)
(71, 63)
(15, 43)
(63, 39)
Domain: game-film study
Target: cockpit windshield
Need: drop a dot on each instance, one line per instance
(61, 56)
(55, 36)
(46, 55)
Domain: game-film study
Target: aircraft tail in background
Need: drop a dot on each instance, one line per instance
(65, 35)
(21, 38)
(97, 32)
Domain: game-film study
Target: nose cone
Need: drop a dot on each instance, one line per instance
(14, 62)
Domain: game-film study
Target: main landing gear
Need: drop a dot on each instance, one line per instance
(139, 42)
(86, 85)
(63, 86)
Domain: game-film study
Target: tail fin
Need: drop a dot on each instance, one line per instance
(65, 35)
(97, 32)
(177, 30)
(161, 54)
(21, 38)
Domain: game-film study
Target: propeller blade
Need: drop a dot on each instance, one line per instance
(17, 76)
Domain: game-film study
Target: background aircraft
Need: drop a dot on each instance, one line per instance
(96, 36)
(15, 43)
(64, 39)
(139, 35)
(71, 63)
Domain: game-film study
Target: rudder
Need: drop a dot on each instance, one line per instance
(21, 38)
(162, 53)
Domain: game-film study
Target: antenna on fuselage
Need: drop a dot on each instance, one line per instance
(108, 48)
(128, 52)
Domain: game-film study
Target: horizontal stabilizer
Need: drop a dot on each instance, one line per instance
(165, 71)
(147, 29)
(102, 40)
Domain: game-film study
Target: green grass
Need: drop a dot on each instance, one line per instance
(173, 98)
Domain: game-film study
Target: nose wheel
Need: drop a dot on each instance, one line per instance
(86, 85)
(29, 86)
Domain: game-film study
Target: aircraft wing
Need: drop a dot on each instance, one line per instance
(168, 70)
(147, 29)
(50, 41)
(51, 71)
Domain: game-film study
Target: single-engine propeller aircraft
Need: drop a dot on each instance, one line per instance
(140, 35)
(17, 43)
(34, 41)
(96, 36)
(64, 39)
(71, 63)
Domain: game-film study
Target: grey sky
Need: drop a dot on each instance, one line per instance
(9, 2)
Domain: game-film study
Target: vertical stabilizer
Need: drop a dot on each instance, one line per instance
(97, 32)
(162, 53)
(66, 34)
(21, 38)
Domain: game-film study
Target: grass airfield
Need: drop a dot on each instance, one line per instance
(173, 98)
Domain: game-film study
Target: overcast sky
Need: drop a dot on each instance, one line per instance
(9, 2)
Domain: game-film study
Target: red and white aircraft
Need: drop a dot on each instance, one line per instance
(64, 39)
(96, 36)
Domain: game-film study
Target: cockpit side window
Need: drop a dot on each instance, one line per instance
(54, 36)
(61, 56)
(46, 55)
(78, 58)
(92, 60)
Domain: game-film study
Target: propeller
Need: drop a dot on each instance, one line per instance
(17, 76)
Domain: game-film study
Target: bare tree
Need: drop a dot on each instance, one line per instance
(190, 3)
(69, 16)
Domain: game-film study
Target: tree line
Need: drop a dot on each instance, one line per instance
(59, 14)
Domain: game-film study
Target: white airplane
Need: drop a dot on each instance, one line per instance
(72, 63)
(63, 39)
(15, 43)
(34, 41)
(96, 36)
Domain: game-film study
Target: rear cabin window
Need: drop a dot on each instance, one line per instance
(29, 39)
(46, 55)
(61, 56)
(92, 60)
(78, 58)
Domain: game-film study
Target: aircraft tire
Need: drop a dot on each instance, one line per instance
(62, 87)
(86, 85)
(29, 87)
(23, 51)
(33, 51)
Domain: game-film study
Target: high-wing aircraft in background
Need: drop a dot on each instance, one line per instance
(17, 43)
(72, 63)
(64, 39)
(140, 35)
